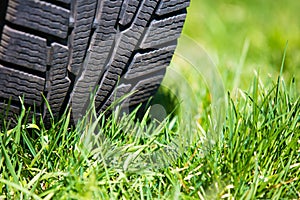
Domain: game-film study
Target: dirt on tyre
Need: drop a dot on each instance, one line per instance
(66, 49)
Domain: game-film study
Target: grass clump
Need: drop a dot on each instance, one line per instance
(259, 155)
(121, 157)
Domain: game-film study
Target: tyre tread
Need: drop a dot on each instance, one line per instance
(66, 49)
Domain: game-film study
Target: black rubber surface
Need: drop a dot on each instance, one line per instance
(65, 49)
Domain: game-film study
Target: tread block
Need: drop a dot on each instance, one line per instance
(15, 83)
(146, 63)
(129, 7)
(163, 31)
(84, 16)
(118, 93)
(144, 89)
(167, 6)
(40, 16)
(59, 82)
(23, 49)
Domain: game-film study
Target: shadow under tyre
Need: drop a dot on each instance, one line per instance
(66, 49)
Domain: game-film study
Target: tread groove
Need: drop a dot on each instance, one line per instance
(23, 69)
(48, 37)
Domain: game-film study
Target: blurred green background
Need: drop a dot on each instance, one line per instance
(259, 28)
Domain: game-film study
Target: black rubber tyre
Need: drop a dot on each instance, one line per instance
(65, 49)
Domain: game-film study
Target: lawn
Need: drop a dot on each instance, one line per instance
(224, 125)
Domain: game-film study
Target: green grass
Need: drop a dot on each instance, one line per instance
(255, 156)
